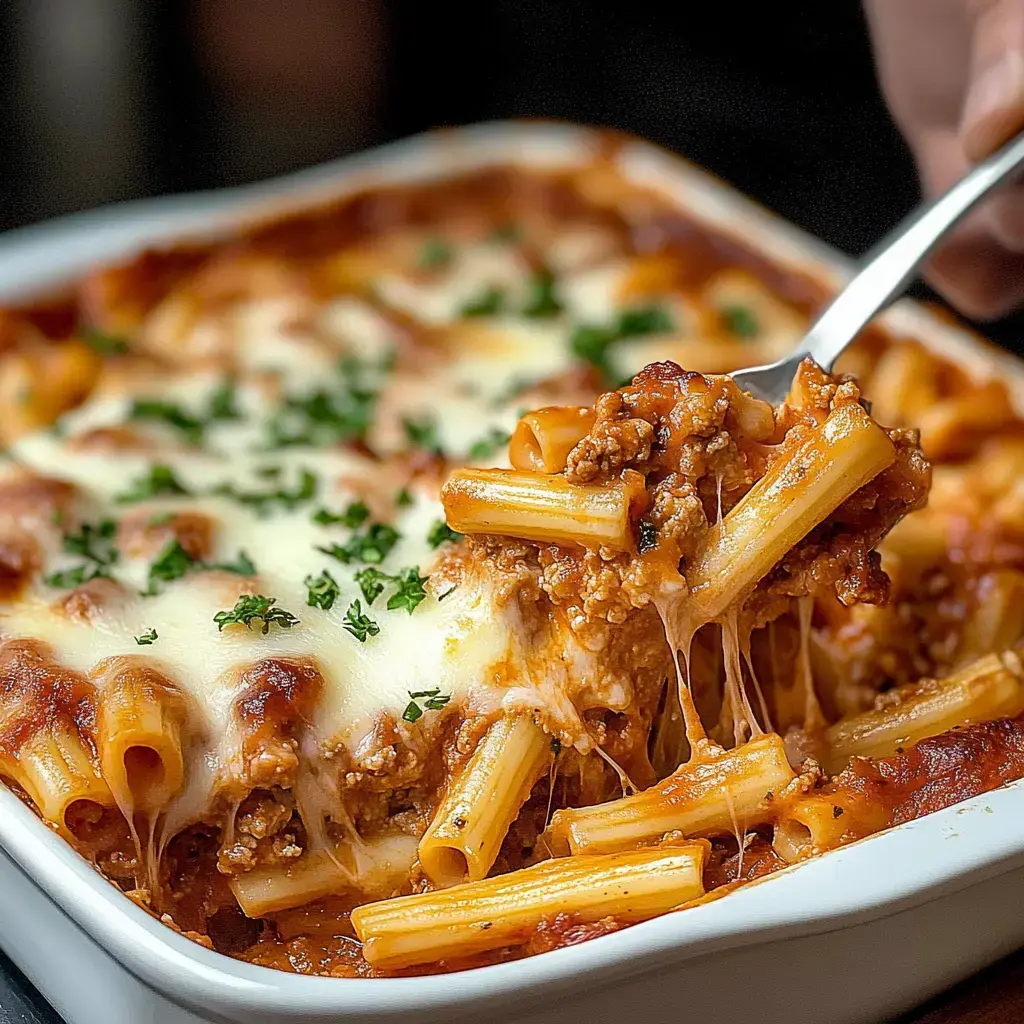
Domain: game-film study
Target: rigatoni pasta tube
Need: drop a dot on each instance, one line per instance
(818, 822)
(373, 868)
(505, 910)
(55, 769)
(543, 438)
(996, 622)
(139, 723)
(481, 803)
(537, 506)
(991, 687)
(715, 796)
(799, 491)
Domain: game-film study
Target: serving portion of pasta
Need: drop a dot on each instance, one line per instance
(402, 586)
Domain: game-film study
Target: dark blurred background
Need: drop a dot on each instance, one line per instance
(113, 99)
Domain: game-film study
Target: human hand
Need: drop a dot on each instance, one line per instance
(952, 72)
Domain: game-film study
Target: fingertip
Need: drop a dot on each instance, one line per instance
(978, 276)
(1004, 219)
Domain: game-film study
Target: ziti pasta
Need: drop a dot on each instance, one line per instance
(400, 586)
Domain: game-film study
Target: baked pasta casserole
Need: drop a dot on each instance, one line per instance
(403, 585)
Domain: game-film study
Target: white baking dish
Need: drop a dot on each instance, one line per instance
(856, 935)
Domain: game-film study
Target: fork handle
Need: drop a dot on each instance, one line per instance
(892, 264)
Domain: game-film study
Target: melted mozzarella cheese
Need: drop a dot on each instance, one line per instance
(448, 645)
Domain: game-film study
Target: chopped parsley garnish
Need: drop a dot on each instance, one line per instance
(409, 593)
(323, 591)
(326, 416)
(359, 625)
(541, 297)
(451, 590)
(641, 320)
(96, 544)
(408, 583)
(250, 607)
(172, 563)
(648, 539)
(75, 577)
(171, 414)
(441, 533)
(404, 499)
(147, 638)
(160, 481)
(353, 515)
(103, 343)
(593, 342)
(489, 302)
(372, 545)
(422, 433)
(740, 320)
(492, 442)
(242, 565)
(264, 502)
(424, 700)
(223, 403)
(372, 583)
(434, 253)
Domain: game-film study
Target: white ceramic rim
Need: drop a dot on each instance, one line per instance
(894, 871)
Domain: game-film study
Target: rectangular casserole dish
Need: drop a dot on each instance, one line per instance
(899, 903)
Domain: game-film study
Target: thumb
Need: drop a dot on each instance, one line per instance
(993, 109)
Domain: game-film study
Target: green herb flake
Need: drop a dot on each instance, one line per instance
(263, 503)
(593, 342)
(159, 481)
(250, 607)
(323, 591)
(172, 563)
(223, 403)
(354, 515)
(171, 414)
(96, 543)
(242, 565)
(404, 499)
(424, 700)
(409, 593)
(422, 433)
(358, 624)
(740, 321)
(147, 638)
(372, 583)
(441, 533)
(490, 302)
(643, 320)
(103, 343)
(488, 445)
(434, 254)
(542, 299)
(326, 417)
(372, 545)
(75, 577)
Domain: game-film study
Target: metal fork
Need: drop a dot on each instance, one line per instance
(885, 272)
